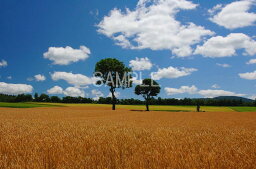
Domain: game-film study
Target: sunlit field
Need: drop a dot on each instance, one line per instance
(97, 137)
(133, 107)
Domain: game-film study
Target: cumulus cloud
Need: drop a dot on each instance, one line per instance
(215, 86)
(252, 61)
(55, 90)
(215, 93)
(141, 64)
(136, 81)
(117, 94)
(97, 94)
(224, 65)
(40, 78)
(253, 97)
(153, 25)
(14, 89)
(220, 46)
(3, 63)
(215, 9)
(74, 92)
(67, 55)
(73, 79)
(181, 90)
(70, 91)
(205, 93)
(248, 75)
(234, 15)
(172, 72)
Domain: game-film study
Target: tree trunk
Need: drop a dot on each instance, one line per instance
(147, 106)
(112, 90)
(147, 103)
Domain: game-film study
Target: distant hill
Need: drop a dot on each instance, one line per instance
(233, 98)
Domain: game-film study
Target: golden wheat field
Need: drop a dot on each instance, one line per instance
(96, 137)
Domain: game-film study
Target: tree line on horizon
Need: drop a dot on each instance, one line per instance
(108, 100)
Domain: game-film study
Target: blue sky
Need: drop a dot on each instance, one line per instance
(201, 45)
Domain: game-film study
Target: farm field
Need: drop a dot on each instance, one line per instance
(27, 105)
(97, 137)
(132, 107)
(244, 109)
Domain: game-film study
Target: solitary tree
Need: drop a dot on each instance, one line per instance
(114, 74)
(148, 89)
(199, 102)
(198, 107)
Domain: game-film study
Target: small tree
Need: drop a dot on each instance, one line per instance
(148, 89)
(36, 97)
(114, 74)
(198, 107)
(199, 102)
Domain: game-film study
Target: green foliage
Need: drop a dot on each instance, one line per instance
(111, 70)
(107, 100)
(18, 98)
(69, 99)
(55, 99)
(148, 89)
(44, 98)
(36, 97)
(115, 74)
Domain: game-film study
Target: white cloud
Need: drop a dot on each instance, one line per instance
(215, 9)
(136, 81)
(73, 79)
(117, 94)
(30, 79)
(224, 65)
(67, 55)
(205, 93)
(55, 90)
(141, 64)
(70, 91)
(248, 75)
(3, 63)
(9, 77)
(74, 92)
(234, 15)
(220, 46)
(215, 86)
(172, 72)
(253, 97)
(97, 94)
(181, 90)
(153, 25)
(40, 78)
(14, 89)
(252, 61)
(215, 93)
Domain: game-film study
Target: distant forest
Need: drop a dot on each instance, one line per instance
(220, 101)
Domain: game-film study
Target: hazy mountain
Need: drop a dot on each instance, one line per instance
(233, 98)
